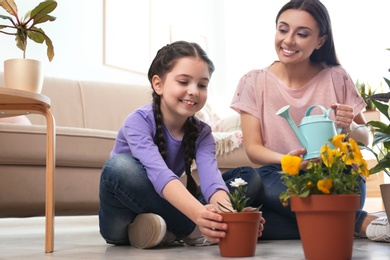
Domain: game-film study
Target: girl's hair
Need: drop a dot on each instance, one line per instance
(318, 11)
(163, 63)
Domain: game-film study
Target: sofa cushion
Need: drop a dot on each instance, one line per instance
(107, 108)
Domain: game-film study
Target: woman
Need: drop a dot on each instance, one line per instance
(307, 73)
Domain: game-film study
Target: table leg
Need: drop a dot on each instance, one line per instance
(50, 166)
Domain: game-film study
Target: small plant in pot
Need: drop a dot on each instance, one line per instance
(23, 29)
(243, 223)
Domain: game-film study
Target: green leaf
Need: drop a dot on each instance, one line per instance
(380, 137)
(382, 165)
(387, 81)
(37, 35)
(378, 125)
(45, 7)
(41, 18)
(5, 17)
(383, 108)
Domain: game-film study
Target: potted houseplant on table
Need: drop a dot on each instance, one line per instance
(26, 74)
(243, 223)
(381, 140)
(324, 197)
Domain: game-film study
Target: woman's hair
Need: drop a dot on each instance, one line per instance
(163, 63)
(318, 11)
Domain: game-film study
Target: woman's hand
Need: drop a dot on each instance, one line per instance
(344, 116)
(262, 220)
(300, 152)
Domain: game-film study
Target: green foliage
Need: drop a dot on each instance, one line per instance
(24, 28)
(381, 132)
(366, 91)
(238, 200)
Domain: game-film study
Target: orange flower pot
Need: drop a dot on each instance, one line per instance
(326, 225)
(241, 236)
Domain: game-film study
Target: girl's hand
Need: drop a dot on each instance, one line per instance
(210, 224)
(344, 116)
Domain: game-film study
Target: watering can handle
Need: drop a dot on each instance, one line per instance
(308, 111)
(339, 129)
(326, 114)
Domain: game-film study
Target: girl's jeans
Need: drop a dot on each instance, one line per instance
(126, 191)
(280, 221)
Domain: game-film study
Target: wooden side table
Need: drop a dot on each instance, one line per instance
(14, 102)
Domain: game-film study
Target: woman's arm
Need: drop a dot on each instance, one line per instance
(360, 132)
(253, 143)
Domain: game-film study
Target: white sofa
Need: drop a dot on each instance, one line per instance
(88, 115)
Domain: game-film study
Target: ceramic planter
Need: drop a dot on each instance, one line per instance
(385, 192)
(326, 225)
(241, 236)
(23, 74)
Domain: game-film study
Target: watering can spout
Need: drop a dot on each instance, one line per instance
(285, 113)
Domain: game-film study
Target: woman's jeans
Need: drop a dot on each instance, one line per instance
(126, 191)
(280, 221)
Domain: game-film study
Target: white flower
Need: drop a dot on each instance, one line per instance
(238, 182)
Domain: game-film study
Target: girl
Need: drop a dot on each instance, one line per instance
(307, 73)
(142, 200)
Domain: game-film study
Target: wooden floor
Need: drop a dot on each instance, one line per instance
(79, 238)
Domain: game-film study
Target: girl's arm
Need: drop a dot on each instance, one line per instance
(205, 217)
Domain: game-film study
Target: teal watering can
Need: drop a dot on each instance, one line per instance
(314, 131)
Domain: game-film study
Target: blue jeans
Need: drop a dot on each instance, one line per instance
(126, 191)
(280, 221)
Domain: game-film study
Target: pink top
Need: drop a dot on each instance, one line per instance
(261, 94)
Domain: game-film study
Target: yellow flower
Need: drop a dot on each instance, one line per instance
(363, 169)
(337, 141)
(329, 175)
(328, 155)
(291, 164)
(325, 185)
(356, 153)
(309, 185)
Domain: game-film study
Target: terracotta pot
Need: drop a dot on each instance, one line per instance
(241, 236)
(23, 74)
(385, 192)
(326, 225)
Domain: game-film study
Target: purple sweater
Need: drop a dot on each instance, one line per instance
(135, 137)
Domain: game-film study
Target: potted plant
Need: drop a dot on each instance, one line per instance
(325, 195)
(243, 223)
(16, 71)
(381, 141)
(366, 91)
